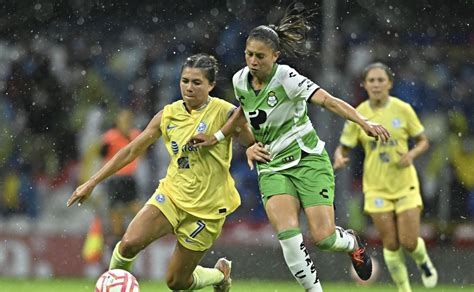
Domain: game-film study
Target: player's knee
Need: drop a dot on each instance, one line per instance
(130, 246)
(409, 243)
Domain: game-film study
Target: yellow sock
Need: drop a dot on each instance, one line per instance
(395, 262)
(420, 255)
(204, 277)
(120, 262)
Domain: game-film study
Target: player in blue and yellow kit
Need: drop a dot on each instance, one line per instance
(198, 191)
(390, 184)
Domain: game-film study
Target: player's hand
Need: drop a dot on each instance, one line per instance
(340, 162)
(257, 152)
(82, 193)
(406, 159)
(201, 140)
(377, 131)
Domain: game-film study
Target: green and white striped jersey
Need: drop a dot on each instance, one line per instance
(278, 115)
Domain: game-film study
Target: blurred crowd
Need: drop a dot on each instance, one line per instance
(67, 70)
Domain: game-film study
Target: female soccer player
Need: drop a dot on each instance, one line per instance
(294, 169)
(390, 183)
(198, 191)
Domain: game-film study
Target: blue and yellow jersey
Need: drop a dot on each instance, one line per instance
(198, 180)
(381, 170)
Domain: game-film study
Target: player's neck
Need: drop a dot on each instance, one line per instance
(379, 103)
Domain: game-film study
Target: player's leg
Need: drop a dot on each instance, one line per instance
(386, 225)
(314, 180)
(148, 225)
(408, 223)
(283, 212)
(195, 236)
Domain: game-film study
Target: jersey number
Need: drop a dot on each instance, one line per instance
(200, 227)
(257, 118)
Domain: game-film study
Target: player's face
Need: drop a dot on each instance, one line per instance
(260, 58)
(377, 84)
(195, 87)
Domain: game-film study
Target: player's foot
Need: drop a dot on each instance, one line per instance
(225, 267)
(429, 275)
(360, 258)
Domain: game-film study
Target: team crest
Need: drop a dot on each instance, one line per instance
(396, 123)
(378, 202)
(201, 127)
(160, 198)
(272, 100)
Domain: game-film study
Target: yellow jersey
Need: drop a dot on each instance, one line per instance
(198, 180)
(381, 170)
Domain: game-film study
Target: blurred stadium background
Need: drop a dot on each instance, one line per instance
(67, 67)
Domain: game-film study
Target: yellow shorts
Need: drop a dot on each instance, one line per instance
(192, 232)
(378, 202)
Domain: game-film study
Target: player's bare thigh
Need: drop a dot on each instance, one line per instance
(148, 225)
(283, 211)
(386, 225)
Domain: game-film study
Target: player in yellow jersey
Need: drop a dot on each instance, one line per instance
(390, 183)
(198, 191)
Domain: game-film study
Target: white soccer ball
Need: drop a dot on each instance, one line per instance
(117, 281)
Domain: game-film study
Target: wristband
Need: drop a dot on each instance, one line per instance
(219, 135)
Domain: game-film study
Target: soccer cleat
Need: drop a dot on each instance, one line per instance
(360, 258)
(225, 267)
(429, 275)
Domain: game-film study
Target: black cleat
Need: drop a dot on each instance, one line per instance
(361, 260)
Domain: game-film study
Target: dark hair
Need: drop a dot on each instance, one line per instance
(290, 35)
(205, 62)
(378, 65)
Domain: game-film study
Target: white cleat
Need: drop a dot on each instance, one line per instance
(429, 275)
(225, 267)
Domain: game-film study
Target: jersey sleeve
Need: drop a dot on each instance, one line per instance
(415, 127)
(297, 86)
(350, 134)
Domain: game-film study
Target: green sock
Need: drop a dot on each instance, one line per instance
(420, 255)
(204, 277)
(395, 262)
(120, 262)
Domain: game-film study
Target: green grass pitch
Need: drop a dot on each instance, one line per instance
(82, 285)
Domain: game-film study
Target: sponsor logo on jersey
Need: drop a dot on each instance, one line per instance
(174, 147)
(396, 123)
(160, 198)
(272, 100)
(201, 127)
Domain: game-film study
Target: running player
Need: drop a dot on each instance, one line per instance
(198, 191)
(294, 169)
(390, 182)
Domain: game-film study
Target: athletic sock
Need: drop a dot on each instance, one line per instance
(298, 260)
(340, 240)
(420, 255)
(395, 262)
(120, 262)
(204, 277)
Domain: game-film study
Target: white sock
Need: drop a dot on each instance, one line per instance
(300, 264)
(344, 241)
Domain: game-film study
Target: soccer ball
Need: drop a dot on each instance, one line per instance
(117, 281)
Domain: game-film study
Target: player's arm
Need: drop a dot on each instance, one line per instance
(126, 155)
(338, 106)
(341, 156)
(421, 146)
(236, 122)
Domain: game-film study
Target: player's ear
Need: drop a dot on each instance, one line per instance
(211, 86)
(276, 55)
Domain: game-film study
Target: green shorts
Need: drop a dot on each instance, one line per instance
(311, 181)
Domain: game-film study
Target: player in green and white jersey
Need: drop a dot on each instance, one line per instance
(294, 169)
